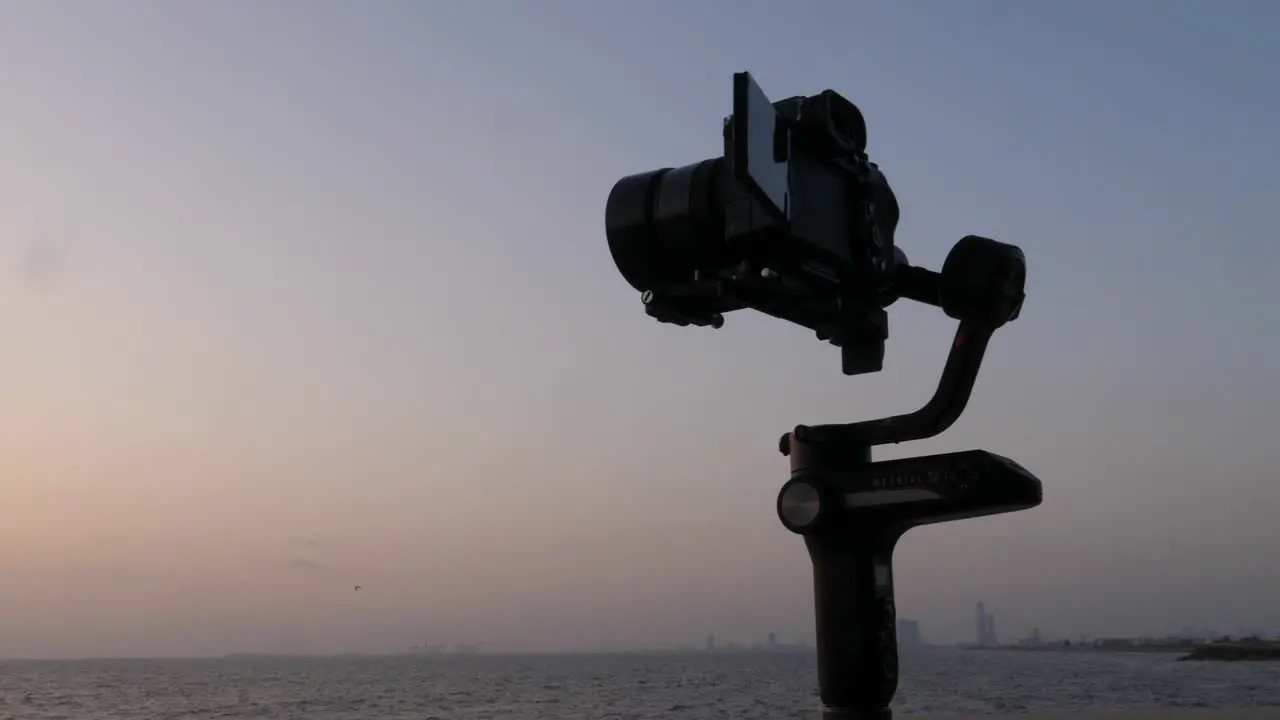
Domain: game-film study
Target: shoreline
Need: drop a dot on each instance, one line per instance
(1129, 650)
(1144, 714)
(1248, 651)
(1237, 651)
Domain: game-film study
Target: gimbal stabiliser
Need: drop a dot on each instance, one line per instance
(795, 221)
(851, 511)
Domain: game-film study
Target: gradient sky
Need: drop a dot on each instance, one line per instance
(299, 295)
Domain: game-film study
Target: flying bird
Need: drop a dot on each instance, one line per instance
(358, 588)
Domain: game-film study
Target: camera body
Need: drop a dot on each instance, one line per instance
(794, 221)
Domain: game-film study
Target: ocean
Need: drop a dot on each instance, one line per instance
(609, 686)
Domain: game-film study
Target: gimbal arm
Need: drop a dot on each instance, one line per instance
(943, 409)
(981, 284)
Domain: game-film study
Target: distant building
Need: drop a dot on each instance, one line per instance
(711, 642)
(773, 641)
(908, 633)
(986, 627)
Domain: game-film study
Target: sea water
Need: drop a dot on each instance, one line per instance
(609, 686)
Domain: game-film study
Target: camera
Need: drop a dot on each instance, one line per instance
(794, 220)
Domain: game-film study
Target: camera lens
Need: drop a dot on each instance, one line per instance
(663, 225)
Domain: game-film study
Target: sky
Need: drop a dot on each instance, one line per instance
(303, 295)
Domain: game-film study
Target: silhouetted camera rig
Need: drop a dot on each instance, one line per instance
(796, 222)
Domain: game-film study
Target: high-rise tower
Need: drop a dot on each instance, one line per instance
(986, 627)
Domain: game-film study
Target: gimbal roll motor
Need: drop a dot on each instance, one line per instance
(795, 221)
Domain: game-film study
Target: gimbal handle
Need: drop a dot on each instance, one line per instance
(853, 556)
(852, 512)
